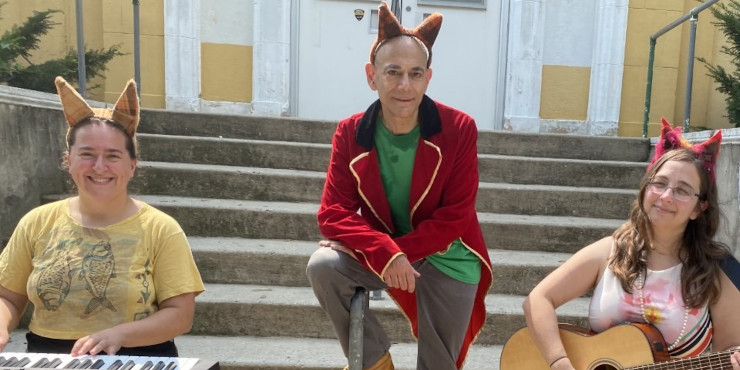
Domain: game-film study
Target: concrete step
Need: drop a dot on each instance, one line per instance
(297, 221)
(315, 157)
(266, 311)
(287, 353)
(227, 182)
(283, 263)
(269, 184)
(550, 200)
(562, 172)
(154, 121)
(308, 131)
(564, 146)
(235, 152)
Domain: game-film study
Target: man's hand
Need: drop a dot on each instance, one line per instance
(401, 275)
(337, 246)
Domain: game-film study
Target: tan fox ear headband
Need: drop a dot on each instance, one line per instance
(76, 109)
(388, 28)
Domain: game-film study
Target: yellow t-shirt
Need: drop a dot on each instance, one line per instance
(83, 280)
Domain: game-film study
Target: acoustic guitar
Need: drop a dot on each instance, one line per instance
(628, 346)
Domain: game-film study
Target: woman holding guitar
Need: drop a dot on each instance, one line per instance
(661, 267)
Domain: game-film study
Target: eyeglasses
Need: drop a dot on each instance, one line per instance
(680, 193)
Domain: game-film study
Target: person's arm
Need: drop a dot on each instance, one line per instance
(726, 319)
(572, 279)
(456, 210)
(12, 306)
(175, 317)
(338, 219)
(400, 274)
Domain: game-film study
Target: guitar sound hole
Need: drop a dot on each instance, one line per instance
(605, 367)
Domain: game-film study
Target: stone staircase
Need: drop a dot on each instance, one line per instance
(246, 190)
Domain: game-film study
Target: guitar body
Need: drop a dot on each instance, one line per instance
(619, 347)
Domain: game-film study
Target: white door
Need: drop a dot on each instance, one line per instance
(333, 47)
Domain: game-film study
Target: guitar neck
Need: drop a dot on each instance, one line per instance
(712, 361)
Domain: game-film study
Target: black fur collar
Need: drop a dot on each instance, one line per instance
(429, 119)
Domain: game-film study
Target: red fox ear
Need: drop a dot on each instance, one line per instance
(670, 138)
(389, 27)
(708, 151)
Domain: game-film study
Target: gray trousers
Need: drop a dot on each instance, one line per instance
(444, 308)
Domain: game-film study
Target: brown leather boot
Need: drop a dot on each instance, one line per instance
(385, 363)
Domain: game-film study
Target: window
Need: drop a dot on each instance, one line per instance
(458, 3)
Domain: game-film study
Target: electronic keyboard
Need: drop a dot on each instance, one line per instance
(32, 361)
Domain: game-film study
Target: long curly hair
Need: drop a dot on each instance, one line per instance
(699, 254)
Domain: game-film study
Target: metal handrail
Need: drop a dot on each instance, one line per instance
(357, 308)
(693, 16)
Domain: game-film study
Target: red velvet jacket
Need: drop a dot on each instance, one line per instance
(444, 184)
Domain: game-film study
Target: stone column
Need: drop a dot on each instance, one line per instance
(524, 65)
(607, 67)
(182, 54)
(271, 79)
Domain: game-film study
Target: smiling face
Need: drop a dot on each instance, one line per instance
(99, 162)
(400, 77)
(664, 210)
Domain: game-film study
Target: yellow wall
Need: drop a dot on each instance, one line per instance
(104, 26)
(226, 73)
(118, 30)
(230, 79)
(564, 92)
(669, 72)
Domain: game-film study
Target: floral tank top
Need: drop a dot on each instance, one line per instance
(687, 332)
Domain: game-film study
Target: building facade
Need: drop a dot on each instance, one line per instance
(565, 66)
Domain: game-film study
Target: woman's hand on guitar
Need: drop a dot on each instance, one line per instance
(735, 360)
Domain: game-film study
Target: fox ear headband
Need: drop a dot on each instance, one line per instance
(388, 28)
(670, 138)
(76, 109)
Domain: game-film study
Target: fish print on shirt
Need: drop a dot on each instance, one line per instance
(98, 267)
(54, 281)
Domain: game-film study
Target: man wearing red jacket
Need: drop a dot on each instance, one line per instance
(409, 165)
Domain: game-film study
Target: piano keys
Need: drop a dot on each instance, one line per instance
(33, 361)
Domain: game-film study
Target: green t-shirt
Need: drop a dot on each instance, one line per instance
(396, 155)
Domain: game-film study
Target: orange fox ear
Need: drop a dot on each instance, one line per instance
(427, 32)
(126, 110)
(389, 27)
(76, 109)
(74, 106)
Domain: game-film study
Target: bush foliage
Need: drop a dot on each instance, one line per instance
(728, 21)
(18, 43)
